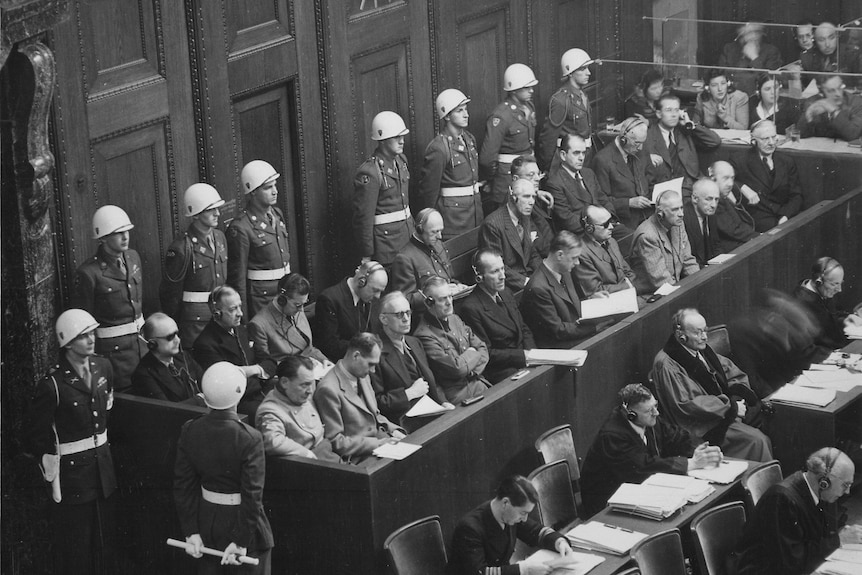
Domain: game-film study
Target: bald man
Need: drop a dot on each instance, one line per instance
(734, 225)
(827, 56)
(601, 267)
(789, 532)
(700, 222)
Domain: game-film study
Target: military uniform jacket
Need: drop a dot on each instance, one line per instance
(112, 297)
(416, 263)
(567, 114)
(380, 187)
(63, 402)
(452, 163)
(222, 454)
(508, 131)
(255, 244)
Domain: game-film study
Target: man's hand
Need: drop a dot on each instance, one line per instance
(197, 545)
(656, 160)
(398, 436)
(782, 220)
(601, 294)
(741, 409)
(230, 554)
(562, 546)
(640, 202)
(853, 320)
(311, 455)
(546, 197)
(750, 195)
(418, 389)
(705, 455)
(536, 569)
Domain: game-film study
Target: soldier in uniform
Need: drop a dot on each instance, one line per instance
(66, 430)
(258, 252)
(509, 133)
(219, 478)
(450, 173)
(568, 110)
(108, 286)
(196, 264)
(382, 223)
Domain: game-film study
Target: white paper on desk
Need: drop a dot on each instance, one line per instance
(804, 395)
(321, 369)
(398, 450)
(574, 564)
(720, 259)
(839, 379)
(853, 331)
(696, 490)
(839, 568)
(666, 289)
(460, 289)
(625, 301)
(845, 554)
(572, 357)
(674, 185)
(605, 537)
(425, 406)
(725, 472)
(734, 136)
(810, 90)
(824, 367)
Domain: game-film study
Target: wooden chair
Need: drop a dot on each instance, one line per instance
(417, 548)
(756, 481)
(718, 339)
(660, 554)
(630, 571)
(558, 443)
(716, 532)
(556, 506)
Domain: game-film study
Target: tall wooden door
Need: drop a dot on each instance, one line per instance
(124, 126)
(377, 58)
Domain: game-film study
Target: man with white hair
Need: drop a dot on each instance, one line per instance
(734, 225)
(749, 51)
(834, 113)
(700, 222)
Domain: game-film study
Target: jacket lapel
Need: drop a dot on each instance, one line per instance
(347, 389)
(512, 234)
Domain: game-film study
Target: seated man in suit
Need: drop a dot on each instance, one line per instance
(509, 231)
(733, 224)
(166, 372)
(834, 113)
(768, 179)
(526, 168)
(827, 54)
(349, 307)
(403, 375)
(352, 421)
(633, 443)
(493, 314)
(456, 355)
(281, 328)
(484, 539)
(672, 145)
(700, 222)
(705, 393)
(288, 419)
(661, 253)
(621, 173)
(601, 268)
(791, 531)
(423, 256)
(551, 303)
(225, 339)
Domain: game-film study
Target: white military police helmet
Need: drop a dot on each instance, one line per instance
(255, 174)
(387, 125)
(109, 220)
(448, 100)
(200, 198)
(518, 76)
(572, 60)
(72, 323)
(223, 384)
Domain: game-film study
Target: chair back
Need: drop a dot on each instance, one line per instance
(660, 554)
(558, 443)
(630, 571)
(716, 532)
(718, 339)
(756, 481)
(417, 548)
(556, 505)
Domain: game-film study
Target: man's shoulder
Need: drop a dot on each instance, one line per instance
(605, 156)
(496, 218)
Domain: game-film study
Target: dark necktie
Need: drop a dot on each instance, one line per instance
(239, 347)
(630, 160)
(706, 250)
(520, 230)
(270, 219)
(498, 300)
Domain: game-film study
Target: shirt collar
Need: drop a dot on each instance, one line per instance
(557, 276)
(641, 431)
(620, 149)
(353, 292)
(811, 490)
(516, 219)
(665, 133)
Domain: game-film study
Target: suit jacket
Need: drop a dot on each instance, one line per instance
(352, 421)
(571, 198)
(602, 269)
(846, 125)
(415, 263)
(275, 336)
(617, 181)
(502, 329)
(734, 225)
(552, 311)
(660, 256)
(391, 378)
(519, 254)
(215, 344)
(337, 319)
(703, 251)
(153, 379)
(456, 367)
(292, 430)
(780, 192)
(688, 142)
(732, 56)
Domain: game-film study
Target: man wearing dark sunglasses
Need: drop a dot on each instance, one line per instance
(166, 372)
(602, 269)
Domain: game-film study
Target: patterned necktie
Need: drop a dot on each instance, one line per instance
(121, 264)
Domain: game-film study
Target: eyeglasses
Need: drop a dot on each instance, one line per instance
(612, 221)
(533, 175)
(400, 314)
(169, 337)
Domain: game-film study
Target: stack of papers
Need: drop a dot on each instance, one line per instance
(844, 561)
(674, 185)
(666, 289)
(595, 536)
(720, 259)
(574, 564)
(396, 450)
(321, 369)
(694, 490)
(625, 301)
(426, 407)
(458, 290)
(804, 395)
(734, 136)
(724, 473)
(572, 357)
(849, 360)
(650, 501)
(836, 378)
(853, 331)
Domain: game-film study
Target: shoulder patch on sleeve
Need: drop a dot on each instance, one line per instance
(495, 122)
(364, 179)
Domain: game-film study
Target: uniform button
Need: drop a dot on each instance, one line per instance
(75, 403)
(96, 413)
(97, 426)
(116, 348)
(198, 318)
(264, 292)
(218, 275)
(72, 462)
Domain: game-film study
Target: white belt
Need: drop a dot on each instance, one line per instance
(266, 275)
(220, 498)
(85, 444)
(459, 192)
(118, 330)
(391, 217)
(509, 158)
(196, 296)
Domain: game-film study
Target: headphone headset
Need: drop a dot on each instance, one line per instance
(372, 267)
(828, 265)
(281, 300)
(429, 301)
(423, 219)
(682, 336)
(824, 482)
(589, 227)
(630, 415)
(631, 126)
(215, 295)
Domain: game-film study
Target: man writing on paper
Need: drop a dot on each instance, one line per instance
(789, 532)
(633, 443)
(484, 539)
(601, 267)
(705, 393)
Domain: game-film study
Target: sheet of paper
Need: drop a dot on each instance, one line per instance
(804, 395)
(839, 568)
(398, 450)
(604, 537)
(666, 289)
(574, 564)
(838, 379)
(725, 472)
(695, 489)
(625, 301)
(810, 90)
(425, 406)
(853, 331)
(321, 369)
(734, 136)
(720, 259)
(824, 367)
(844, 554)
(674, 185)
(573, 357)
